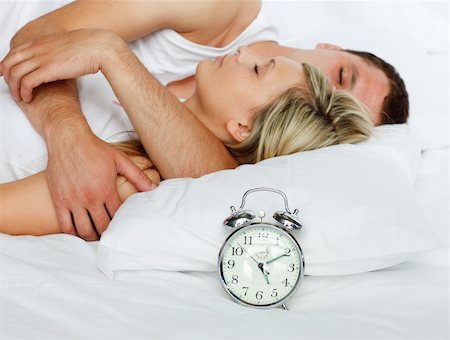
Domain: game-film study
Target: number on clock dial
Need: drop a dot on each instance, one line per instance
(260, 265)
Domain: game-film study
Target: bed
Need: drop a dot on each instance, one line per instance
(129, 285)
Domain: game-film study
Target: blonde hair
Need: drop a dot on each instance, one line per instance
(298, 120)
(134, 149)
(304, 119)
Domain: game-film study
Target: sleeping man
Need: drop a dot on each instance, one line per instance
(82, 169)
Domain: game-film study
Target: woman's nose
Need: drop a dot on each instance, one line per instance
(244, 53)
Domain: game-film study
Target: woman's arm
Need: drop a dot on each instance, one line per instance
(26, 206)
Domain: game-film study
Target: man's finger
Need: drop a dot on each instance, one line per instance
(100, 218)
(29, 82)
(84, 226)
(65, 221)
(113, 204)
(13, 50)
(17, 73)
(13, 59)
(20, 47)
(133, 173)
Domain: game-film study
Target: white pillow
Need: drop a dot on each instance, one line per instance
(356, 203)
(400, 142)
(418, 51)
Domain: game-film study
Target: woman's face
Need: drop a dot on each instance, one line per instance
(229, 88)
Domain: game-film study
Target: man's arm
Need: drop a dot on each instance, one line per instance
(200, 20)
(167, 129)
(162, 122)
(55, 111)
(85, 196)
(26, 206)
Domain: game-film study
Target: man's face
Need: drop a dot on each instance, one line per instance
(351, 73)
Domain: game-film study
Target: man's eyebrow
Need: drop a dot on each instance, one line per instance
(355, 75)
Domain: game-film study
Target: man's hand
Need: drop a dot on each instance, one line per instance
(56, 56)
(82, 172)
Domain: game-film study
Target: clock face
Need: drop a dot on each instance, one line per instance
(261, 265)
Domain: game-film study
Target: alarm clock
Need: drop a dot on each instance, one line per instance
(260, 263)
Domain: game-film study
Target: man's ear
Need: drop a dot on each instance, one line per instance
(238, 131)
(325, 46)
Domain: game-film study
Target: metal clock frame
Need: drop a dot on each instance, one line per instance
(281, 302)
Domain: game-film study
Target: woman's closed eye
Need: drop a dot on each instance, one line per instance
(256, 69)
(341, 71)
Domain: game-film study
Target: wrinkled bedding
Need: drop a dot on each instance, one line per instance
(52, 288)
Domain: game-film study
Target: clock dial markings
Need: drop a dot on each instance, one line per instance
(259, 243)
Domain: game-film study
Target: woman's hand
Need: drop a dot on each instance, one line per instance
(55, 57)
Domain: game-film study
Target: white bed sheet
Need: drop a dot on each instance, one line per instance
(50, 287)
(58, 294)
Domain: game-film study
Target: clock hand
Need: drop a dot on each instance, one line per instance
(260, 264)
(248, 254)
(276, 258)
(264, 271)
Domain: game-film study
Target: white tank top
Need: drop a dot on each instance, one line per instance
(170, 57)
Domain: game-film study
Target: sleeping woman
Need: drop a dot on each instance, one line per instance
(258, 107)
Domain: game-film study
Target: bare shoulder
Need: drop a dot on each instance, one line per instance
(216, 23)
(202, 15)
(132, 19)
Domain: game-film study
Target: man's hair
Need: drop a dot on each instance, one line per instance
(303, 119)
(395, 108)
